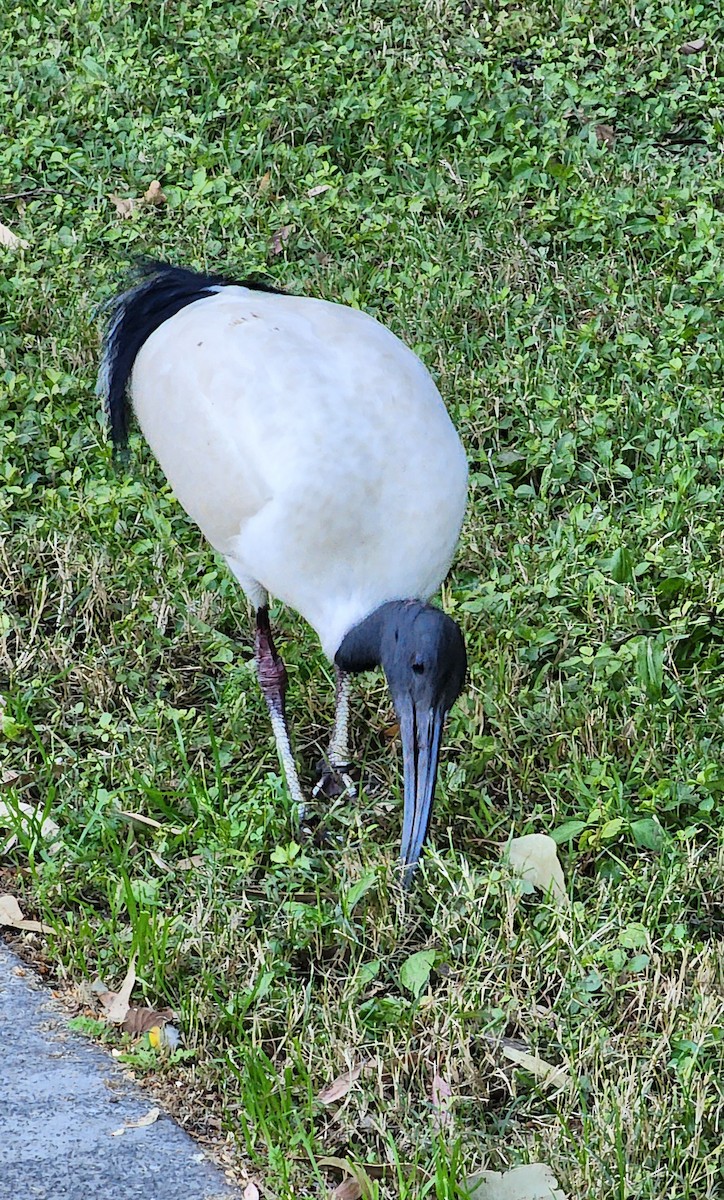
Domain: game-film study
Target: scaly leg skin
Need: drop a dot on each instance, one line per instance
(273, 682)
(334, 777)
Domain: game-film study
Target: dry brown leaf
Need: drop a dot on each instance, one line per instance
(11, 916)
(11, 240)
(548, 1074)
(250, 1192)
(188, 864)
(340, 1086)
(606, 134)
(535, 1181)
(279, 238)
(117, 1004)
(140, 1123)
(693, 47)
(154, 194)
(318, 190)
(535, 857)
(390, 732)
(263, 184)
(349, 1189)
(141, 1020)
(359, 1182)
(441, 1096)
(124, 207)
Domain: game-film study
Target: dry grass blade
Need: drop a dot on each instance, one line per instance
(28, 816)
(139, 819)
(549, 1075)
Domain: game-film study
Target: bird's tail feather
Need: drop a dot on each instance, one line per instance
(160, 292)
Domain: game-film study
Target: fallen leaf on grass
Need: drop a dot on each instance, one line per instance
(279, 238)
(143, 1020)
(263, 184)
(11, 916)
(250, 1192)
(535, 1181)
(317, 191)
(11, 240)
(154, 194)
(535, 857)
(416, 970)
(693, 47)
(348, 1189)
(441, 1097)
(48, 829)
(125, 206)
(140, 1123)
(117, 1004)
(548, 1073)
(189, 864)
(358, 1184)
(606, 134)
(341, 1085)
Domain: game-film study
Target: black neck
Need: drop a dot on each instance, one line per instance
(360, 649)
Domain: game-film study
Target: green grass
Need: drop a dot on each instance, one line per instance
(567, 294)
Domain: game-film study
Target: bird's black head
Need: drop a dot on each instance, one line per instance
(423, 656)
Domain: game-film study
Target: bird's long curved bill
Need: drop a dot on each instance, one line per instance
(421, 733)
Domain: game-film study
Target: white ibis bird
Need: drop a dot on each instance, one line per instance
(313, 450)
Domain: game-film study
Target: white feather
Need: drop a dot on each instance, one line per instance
(311, 447)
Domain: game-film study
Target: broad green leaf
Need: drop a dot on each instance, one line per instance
(647, 832)
(415, 971)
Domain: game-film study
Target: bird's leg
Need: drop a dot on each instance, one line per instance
(273, 682)
(334, 770)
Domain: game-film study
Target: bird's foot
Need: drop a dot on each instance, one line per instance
(334, 780)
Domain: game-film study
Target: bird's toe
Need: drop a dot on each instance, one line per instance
(334, 780)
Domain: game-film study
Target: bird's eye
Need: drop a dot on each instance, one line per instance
(418, 667)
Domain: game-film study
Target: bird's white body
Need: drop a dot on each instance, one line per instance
(311, 447)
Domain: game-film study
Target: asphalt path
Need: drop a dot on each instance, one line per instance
(62, 1101)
